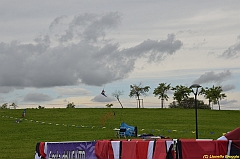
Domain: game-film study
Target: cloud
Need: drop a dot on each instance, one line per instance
(232, 51)
(59, 21)
(37, 97)
(87, 27)
(225, 102)
(6, 89)
(199, 44)
(72, 91)
(2, 100)
(228, 87)
(101, 98)
(187, 31)
(155, 50)
(77, 51)
(209, 77)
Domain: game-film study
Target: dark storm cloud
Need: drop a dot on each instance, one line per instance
(209, 77)
(6, 89)
(232, 51)
(37, 97)
(77, 51)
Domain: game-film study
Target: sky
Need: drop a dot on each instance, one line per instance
(56, 52)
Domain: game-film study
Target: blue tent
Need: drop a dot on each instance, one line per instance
(130, 130)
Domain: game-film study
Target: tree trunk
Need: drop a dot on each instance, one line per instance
(120, 102)
(219, 106)
(162, 102)
(139, 103)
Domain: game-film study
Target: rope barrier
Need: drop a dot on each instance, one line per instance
(18, 120)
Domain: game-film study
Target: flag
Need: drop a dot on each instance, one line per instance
(134, 149)
(164, 149)
(104, 150)
(40, 151)
(192, 148)
(233, 148)
(233, 135)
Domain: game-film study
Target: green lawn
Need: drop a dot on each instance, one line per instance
(18, 140)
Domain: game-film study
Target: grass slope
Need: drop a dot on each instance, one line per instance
(18, 140)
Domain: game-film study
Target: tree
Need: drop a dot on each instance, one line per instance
(41, 107)
(180, 93)
(189, 103)
(13, 105)
(207, 95)
(173, 105)
(109, 105)
(217, 95)
(161, 90)
(71, 105)
(4, 106)
(213, 95)
(137, 91)
(117, 94)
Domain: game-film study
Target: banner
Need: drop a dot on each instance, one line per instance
(139, 149)
(191, 149)
(135, 149)
(71, 150)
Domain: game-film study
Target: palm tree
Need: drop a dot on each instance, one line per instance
(161, 90)
(217, 95)
(207, 94)
(137, 91)
(213, 95)
(180, 93)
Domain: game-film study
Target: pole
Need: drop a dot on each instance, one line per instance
(195, 93)
(196, 115)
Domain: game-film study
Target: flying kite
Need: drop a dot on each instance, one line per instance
(103, 93)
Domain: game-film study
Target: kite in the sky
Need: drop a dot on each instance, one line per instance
(103, 93)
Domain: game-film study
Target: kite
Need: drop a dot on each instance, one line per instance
(103, 93)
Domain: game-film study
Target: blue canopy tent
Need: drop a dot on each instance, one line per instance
(130, 130)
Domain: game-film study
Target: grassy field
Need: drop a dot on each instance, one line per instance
(18, 140)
